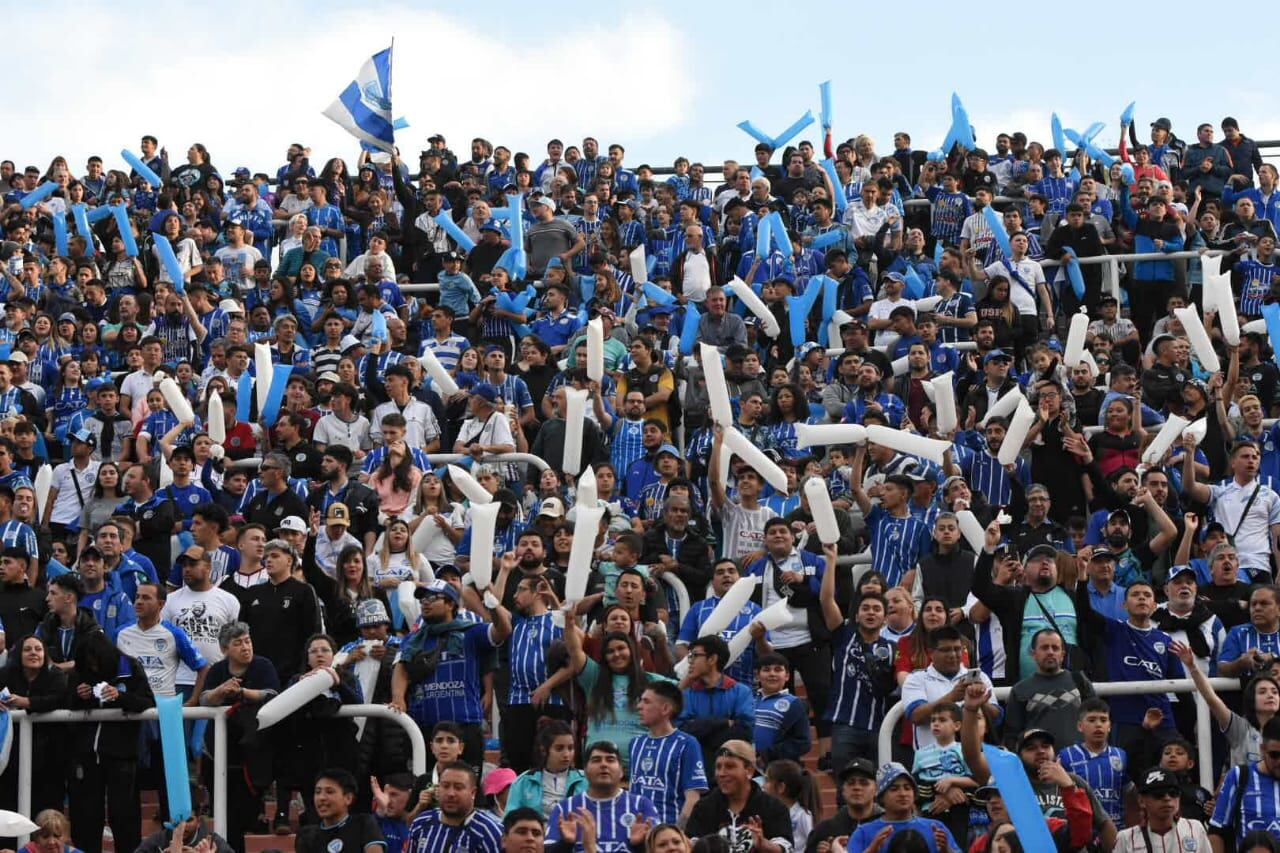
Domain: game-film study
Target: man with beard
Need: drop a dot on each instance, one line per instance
(871, 396)
(1050, 698)
(1135, 562)
(1132, 650)
(621, 817)
(1189, 621)
(1252, 647)
(455, 824)
(360, 500)
(995, 383)
(1085, 393)
(200, 609)
(1052, 783)
(529, 697)
(982, 469)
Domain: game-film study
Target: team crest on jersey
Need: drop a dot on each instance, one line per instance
(647, 764)
(780, 705)
(1158, 646)
(627, 819)
(301, 457)
(1116, 764)
(193, 498)
(1189, 844)
(286, 603)
(334, 846)
(882, 652)
(161, 645)
(279, 510)
(146, 516)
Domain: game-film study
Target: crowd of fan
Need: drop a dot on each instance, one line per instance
(162, 562)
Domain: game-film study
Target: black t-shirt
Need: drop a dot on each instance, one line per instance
(1263, 376)
(351, 835)
(269, 510)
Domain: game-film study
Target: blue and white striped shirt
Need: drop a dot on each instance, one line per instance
(453, 691)
(1259, 805)
(613, 818)
(852, 701)
(481, 832)
(664, 768)
(985, 474)
(627, 444)
(14, 533)
(1106, 772)
(897, 544)
(530, 638)
(447, 351)
(743, 669)
(326, 217)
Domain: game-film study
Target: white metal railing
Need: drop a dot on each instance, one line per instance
(1113, 263)
(26, 723)
(516, 458)
(1204, 760)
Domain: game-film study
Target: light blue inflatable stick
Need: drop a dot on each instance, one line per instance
(756, 133)
(1074, 275)
(824, 95)
(173, 744)
(1019, 800)
(938, 249)
(689, 331)
(657, 295)
(464, 241)
(1059, 141)
(798, 315)
(170, 262)
(829, 166)
(1083, 141)
(764, 241)
(125, 228)
(830, 238)
(244, 397)
(961, 127)
(913, 285)
(515, 203)
(80, 213)
(756, 172)
(378, 326)
(996, 223)
(1126, 175)
(778, 231)
(38, 195)
(829, 292)
(1271, 313)
(794, 130)
(1126, 116)
(97, 214)
(936, 156)
(280, 374)
(141, 168)
(60, 233)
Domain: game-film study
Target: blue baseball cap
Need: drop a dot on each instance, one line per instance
(890, 773)
(668, 448)
(996, 354)
(437, 587)
(486, 391)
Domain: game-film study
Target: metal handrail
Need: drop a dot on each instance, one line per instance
(26, 722)
(1204, 741)
(526, 458)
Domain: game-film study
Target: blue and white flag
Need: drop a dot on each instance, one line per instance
(364, 107)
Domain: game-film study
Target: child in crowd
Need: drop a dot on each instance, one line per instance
(1103, 766)
(943, 776)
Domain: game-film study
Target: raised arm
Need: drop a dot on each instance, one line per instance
(827, 593)
(976, 698)
(855, 480)
(1221, 713)
(1199, 492)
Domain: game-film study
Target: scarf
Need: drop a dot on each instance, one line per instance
(1170, 622)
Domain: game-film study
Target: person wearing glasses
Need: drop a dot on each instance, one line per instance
(275, 501)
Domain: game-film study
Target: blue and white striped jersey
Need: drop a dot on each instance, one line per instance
(985, 474)
(1106, 772)
(664, 768)
(897, 544)
(852, 701)
(614, 819)
(480, 832)
(527, 651)
(453, 690)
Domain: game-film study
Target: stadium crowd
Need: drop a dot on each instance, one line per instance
(324, 541)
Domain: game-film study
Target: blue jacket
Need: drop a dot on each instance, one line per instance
(782, 727)
(1269, 210)
(527, 789)
(729, 700)
(1146, 232)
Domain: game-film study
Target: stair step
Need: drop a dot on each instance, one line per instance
(259, 843)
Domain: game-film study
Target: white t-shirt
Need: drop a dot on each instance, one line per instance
(743, 529)
(66, 509)
(328, 550)
(420, 422)
(929, 685)
(438, 549)
(201, 615)
(160, 649)
(237, 264)
(1184, 836)
(797, 633)
(353, 435)
(136, 386)
(1031, 273)
(398, 567)
(697, 276)
(880, 310)
(1253, 536)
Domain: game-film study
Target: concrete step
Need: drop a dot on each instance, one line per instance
(259, 843)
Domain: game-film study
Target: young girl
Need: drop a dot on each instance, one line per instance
(397, 561)
(395, 480)
(554, 778)
(792, 784)
(433, 507)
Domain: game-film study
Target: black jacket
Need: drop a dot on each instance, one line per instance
(21, 609)
(694, 558)
(281, 617)
(550, 446)
(270, 514)
(1006, 603)
(361, 500)
(110, 740)
(85, 625)
(711, 816)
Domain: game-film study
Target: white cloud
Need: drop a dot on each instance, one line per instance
(246, 91)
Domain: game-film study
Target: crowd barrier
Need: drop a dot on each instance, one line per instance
(890, 728)
(26, 722)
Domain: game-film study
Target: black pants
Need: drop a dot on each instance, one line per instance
(94, 779)
(520, 732)
(812, 662)
(1148, 300)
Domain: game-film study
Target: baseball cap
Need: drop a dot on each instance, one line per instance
(84, 435)
(369, 612)
(437, 587)
(67, 317)
(293, 524)
(1159, 780)
(1035, 734)
(545, 201)
(1121, 514)
(859, 767)
(498, 780)
(93, 549)
(1162, 123)
(1042, 550)
(194, 554)
(18, 357)
(890, 773)
(1183, 569)
(551, 508)
(453, 256)
(486, 391)
(491, 226)
(338, 514)
(348, 342)
(951, 481)
(1102, 554)
(668, 448)
(329, 376)
(996, 355)
(739, 749)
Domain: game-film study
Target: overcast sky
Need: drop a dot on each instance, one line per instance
(664, 78)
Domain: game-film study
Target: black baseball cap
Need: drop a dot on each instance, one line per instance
(1158, 781)
(858, 767)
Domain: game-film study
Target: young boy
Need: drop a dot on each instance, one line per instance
(942, 773)
(666, 763)
(1103, 766)
(626, 555)
(338, 829)
(392, 808)
(446, 748)
(782, 720)
(1179, 759)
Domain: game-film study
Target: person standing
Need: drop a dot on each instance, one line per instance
(281, 613)
(1159, 793)
(666, 764)
(1049, 698)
